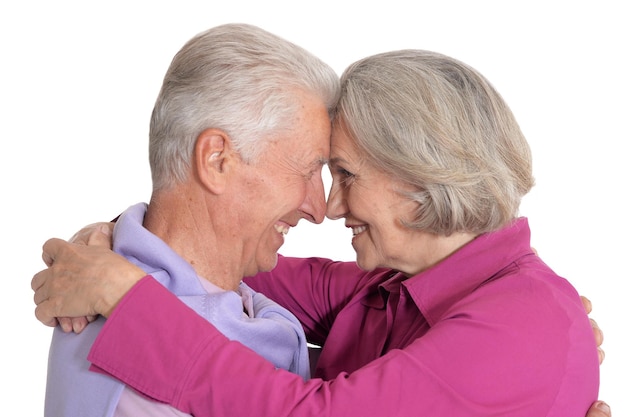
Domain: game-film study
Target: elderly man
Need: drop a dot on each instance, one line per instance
(238, 137)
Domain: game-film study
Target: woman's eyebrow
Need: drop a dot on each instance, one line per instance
(335, 161)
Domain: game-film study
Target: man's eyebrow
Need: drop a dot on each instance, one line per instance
(317, 163)
(321, 161)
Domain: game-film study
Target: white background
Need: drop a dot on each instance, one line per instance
(79, 80)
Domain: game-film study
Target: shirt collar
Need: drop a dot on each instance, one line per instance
(436, 289)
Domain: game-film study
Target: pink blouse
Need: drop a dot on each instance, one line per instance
(489, 331)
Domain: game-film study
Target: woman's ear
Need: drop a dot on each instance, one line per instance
(212, 156)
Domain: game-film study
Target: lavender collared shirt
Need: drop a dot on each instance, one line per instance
(265, 327)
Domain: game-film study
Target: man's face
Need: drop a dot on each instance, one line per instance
(284, 185)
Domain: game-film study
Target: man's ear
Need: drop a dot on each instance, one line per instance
(213, 155)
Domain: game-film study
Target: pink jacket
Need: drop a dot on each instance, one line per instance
(489, 331)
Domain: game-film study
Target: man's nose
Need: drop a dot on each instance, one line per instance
(314, 205)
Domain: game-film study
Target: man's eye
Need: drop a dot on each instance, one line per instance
(313, 173)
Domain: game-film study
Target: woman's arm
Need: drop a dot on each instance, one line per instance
(182, 379)
(208, 375)
(313, 289)
(87, 278)
(81, 280)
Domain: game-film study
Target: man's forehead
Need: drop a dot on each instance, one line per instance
(312, 155)
(312, 163)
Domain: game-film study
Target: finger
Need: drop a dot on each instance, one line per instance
(100, 237)
(79, 324)
(597, 332)
(46, 259)
(43, 317)
(42, 286)
(37, 282)
(586, 303)
(602, 407)
(601, 355)
(65, 323)
(40, 296)
(82, 236)
(49, 250)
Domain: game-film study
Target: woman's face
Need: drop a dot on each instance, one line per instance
(372, 205)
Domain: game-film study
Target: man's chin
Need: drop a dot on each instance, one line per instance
(266, 264)
(270, 264)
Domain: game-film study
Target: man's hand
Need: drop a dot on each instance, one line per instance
(599, 409)
(597, 332)
(81, 281)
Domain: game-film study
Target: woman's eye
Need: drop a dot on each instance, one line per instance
(345, 177)
(345, 173)
(341, 175)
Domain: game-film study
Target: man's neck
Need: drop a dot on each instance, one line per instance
(184, 222)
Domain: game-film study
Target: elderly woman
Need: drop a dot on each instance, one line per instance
(449, 311)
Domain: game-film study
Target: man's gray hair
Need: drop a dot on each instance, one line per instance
(237, 78)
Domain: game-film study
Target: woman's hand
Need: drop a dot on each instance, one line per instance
(93, 234)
